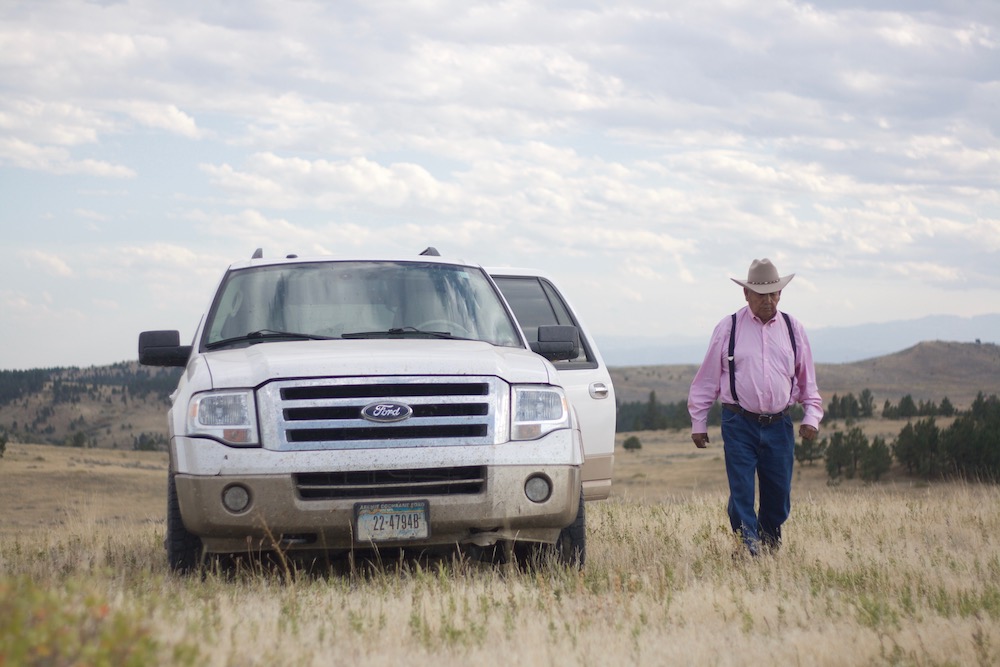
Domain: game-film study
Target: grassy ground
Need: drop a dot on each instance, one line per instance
(897, 573)
(45, 489)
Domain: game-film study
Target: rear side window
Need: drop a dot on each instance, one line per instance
(536, 302)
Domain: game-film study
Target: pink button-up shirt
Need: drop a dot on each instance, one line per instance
(768, 378)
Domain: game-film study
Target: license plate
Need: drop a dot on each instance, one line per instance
(393, 521)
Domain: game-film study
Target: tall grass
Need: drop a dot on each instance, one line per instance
(888, 575)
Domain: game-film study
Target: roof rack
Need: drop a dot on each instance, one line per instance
(429, 251)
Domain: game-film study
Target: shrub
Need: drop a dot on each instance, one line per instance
(837, 456)
(810, 451)
(632, 443)
(75, 627)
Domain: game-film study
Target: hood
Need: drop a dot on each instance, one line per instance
(257, 364)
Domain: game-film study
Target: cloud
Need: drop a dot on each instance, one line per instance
(276, 235)
(156, 259)
(23, 155)
(163, 116)
(46, 122)
(91, 215)
(48, 263)
(985, 233)
(281, 182)
(923, 271)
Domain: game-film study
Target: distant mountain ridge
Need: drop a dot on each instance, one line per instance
(831, 345)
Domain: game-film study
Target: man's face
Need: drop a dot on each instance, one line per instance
(764, 306)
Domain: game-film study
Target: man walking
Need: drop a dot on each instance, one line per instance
(758, 364)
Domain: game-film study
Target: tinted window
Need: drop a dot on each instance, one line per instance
(536, 302)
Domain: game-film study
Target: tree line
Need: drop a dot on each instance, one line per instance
(652, 415)
(70, 385)
(18, 384)
(968, 448)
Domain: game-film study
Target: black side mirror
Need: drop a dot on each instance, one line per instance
(162, 348)
(557, 342)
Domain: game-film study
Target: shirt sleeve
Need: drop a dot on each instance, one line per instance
(805, 389)
(705, 387)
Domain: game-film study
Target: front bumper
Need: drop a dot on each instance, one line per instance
(281, 515)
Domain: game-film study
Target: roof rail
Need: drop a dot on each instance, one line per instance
(431, 251)
(258, 253)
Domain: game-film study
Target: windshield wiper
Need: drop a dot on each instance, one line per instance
(263, 335)
(409, 332)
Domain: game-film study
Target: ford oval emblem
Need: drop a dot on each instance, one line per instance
(386, 412)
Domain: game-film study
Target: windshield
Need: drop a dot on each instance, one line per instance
(357, 300)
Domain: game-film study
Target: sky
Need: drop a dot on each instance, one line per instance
(642, 153)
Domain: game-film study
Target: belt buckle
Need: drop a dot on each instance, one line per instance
(765, 420)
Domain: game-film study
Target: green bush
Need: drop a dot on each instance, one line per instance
(74, 627)
(632, 444)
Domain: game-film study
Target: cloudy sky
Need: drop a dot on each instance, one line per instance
(641, 152)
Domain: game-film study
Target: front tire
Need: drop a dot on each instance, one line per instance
(571, 547)
(184, 549)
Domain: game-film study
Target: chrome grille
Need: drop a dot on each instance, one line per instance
(390, 483)
(326, 413)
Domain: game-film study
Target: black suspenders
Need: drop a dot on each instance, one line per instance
(732, 353)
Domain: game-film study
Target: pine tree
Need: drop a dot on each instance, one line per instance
(876, 461)
(810, 451)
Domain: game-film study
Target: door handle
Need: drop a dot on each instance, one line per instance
(599, 390)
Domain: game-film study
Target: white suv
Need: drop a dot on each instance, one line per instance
(341, 404)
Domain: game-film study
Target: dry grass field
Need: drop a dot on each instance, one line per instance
(899, 573)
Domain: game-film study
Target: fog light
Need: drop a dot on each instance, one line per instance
(236, 498)
(538, 488)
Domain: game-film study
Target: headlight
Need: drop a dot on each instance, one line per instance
(538, 411)
(228, 416)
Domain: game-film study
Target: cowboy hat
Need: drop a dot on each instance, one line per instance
(763, 278)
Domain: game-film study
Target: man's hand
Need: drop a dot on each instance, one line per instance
(700, 440)
(807, 432)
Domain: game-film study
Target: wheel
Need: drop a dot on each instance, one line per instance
(571, 548)
(448, 325)
(183, 548)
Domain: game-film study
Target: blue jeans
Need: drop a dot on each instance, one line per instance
(759, 452)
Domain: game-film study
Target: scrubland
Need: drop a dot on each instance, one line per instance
(898, 573)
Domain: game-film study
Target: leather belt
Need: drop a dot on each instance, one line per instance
(763, 420)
